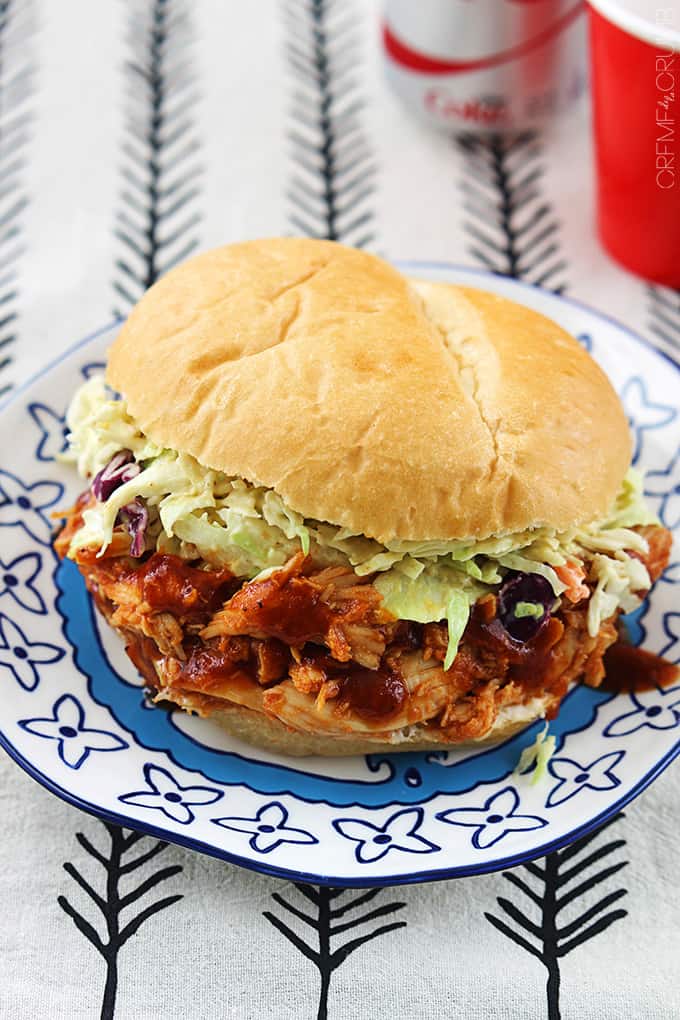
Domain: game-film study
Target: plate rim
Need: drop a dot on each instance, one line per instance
(358, 881)
(376, 881)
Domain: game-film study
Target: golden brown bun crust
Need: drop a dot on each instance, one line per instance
(422, 411)
(263, 731)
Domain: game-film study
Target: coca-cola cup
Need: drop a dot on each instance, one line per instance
(635, 57)
(485, 65)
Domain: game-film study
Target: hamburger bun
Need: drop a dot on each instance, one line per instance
(396, 409)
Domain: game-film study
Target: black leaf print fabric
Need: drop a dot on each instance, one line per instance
(334, 168)
(156, 222)
(156, 225)
(511, 226)
(558, 888)
(216, 123)
(17, 82)
(124, 853)
(664, 316)
(324, 916)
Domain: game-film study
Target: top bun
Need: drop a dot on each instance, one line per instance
(397, 409)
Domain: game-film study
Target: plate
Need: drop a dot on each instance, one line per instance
(73, 715)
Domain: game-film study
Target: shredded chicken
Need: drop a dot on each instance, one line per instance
(332, 607)
(316, 650)
(660, 542)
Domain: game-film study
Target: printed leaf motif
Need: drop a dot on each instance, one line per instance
(664, 317)
(334, 172)
(512, 228)
(320, 910)
(118, 860)
(16, 88)
(157, 218)
(536, 920)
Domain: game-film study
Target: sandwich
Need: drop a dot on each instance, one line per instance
(338, 511)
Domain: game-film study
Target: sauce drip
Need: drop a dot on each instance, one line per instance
(373, 693)
(629, 669)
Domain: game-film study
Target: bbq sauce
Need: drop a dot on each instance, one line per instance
(374, 693)
(370, 693)
(629, 669)
(208, 666)
(295, 616)
(527, 662)
(170, 585)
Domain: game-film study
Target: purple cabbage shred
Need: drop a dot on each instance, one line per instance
(135, 518)
(120, 469)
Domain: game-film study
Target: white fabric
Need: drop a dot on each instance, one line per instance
(213, 954)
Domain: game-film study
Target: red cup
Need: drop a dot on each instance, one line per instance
(635, 70)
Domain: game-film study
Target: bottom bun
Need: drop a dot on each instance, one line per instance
(268, 733)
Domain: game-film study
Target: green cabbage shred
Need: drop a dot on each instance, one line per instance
(537, 754)
(524, 609)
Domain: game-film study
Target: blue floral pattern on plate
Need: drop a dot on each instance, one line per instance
(664, 486)
(93, 368)
(21, 656)
(164, 793)
(400, 832)
(655, 710)
(53, 431)
(23, 505)
(17, 579)
(671, 628)
(573, 778)
(644, 414)
(495, 819)
(75, 740)
(268, 829)
(70, 694)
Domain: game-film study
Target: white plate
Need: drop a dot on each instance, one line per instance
(72, 713)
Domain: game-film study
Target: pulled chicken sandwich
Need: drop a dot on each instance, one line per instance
(340, 511)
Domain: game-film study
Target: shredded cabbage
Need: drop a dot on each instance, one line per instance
(524, 609)
(538, 753)
(197, 511)
(457, 615)
(438, 593)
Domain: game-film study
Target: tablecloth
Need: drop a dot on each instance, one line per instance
(131, 134)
